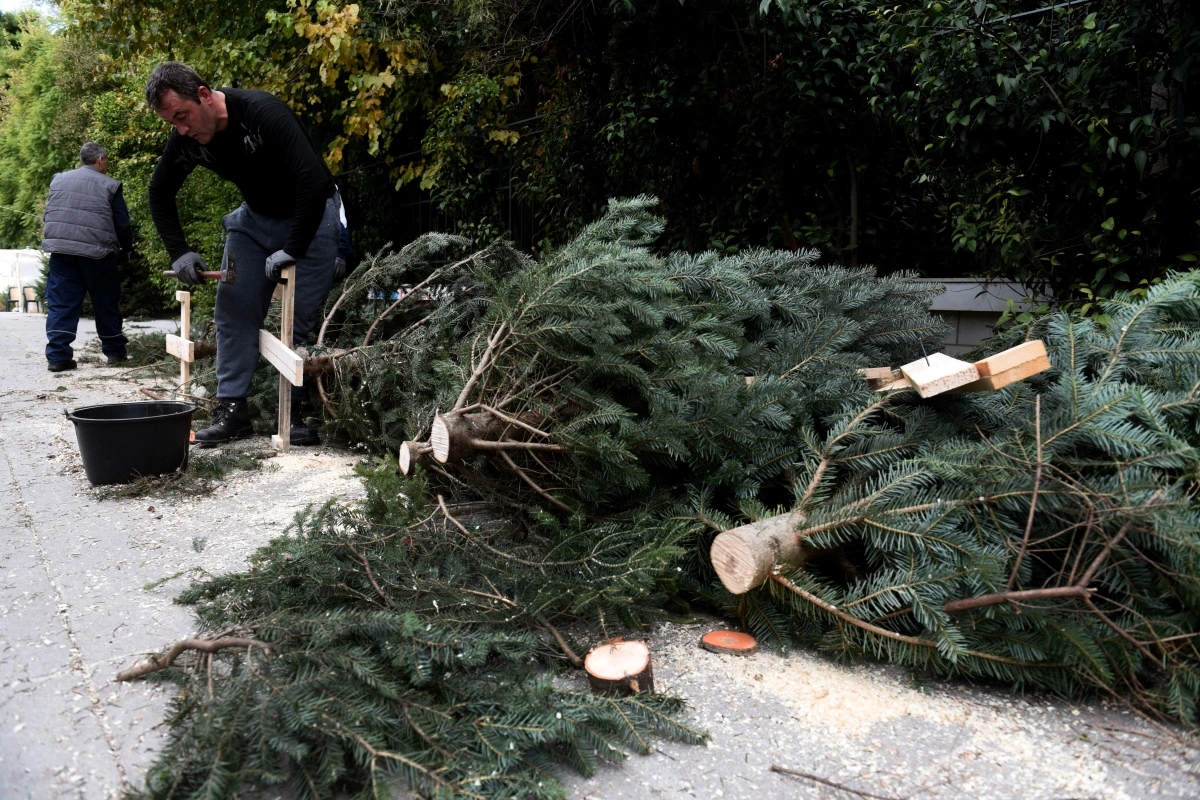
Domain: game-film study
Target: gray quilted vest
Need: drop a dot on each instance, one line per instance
(79, 220)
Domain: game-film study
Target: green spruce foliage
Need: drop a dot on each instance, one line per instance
(601, 414)
(395, 650)
(412, 642)
(1043, 535)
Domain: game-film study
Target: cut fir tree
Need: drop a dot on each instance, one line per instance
(579, 429)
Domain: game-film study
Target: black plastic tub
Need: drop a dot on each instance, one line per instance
(121, 442)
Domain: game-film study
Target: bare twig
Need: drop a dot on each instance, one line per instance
(1016, 597)
(203, 645)
(575, 660)
(520, 473)
(839, 786)
(370, 576)
(484, 362)
(1037, 480)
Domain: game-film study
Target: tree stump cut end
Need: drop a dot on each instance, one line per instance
(729, 642)
(619, 668)
(439, 439)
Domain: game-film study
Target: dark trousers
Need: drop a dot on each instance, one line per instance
(68, 280)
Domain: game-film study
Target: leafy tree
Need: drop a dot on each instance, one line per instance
(1056, 142)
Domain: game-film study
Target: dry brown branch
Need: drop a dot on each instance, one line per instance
(575, 660)
(514, 421)
(485, 361)
(370, 576)
(520, 473)
(1017, 597)
(203, 645)
(842, 615)
(1037, 480)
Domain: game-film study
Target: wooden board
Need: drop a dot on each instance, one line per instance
(1012, 358)
(181, 348)
(729, 642)
(939, 373)
(899, 383)
(282, 357)
(1009, 376)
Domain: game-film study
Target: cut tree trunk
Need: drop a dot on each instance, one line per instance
(744, 557)
(619, 667)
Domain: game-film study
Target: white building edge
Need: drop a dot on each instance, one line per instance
(20, 268)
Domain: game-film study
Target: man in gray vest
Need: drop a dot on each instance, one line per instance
(87, 233)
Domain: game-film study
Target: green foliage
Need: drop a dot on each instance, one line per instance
(1053, 140)
(1081, 481)
(1050, 145)
(404, 652)
(59, 91)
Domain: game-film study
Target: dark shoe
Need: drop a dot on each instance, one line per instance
(114, 360)
(230, 420)
(61, 366)
(303, 436)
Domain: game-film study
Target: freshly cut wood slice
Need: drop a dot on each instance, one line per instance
(619, 668)
(410, 454)
(731, 642)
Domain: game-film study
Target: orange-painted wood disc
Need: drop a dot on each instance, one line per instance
(734, 642)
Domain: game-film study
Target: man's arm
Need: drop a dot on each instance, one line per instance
(121, 223)
(169, 174)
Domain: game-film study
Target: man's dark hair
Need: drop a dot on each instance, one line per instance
(91, 152)
(172, 75)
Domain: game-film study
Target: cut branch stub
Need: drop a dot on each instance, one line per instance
(619, 668)
(744, 557)
(411, 454)
(458, 435)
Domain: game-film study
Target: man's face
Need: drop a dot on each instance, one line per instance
(197, 120)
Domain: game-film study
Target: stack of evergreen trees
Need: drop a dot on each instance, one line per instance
(579, 428)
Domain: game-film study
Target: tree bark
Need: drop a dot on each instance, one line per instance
(411, 454)
(744, 556)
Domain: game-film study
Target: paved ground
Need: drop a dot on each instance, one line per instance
(86, 587)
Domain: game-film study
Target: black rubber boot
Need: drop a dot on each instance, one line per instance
(230, 420)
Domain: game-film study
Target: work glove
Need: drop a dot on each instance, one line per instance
(339, 268)
(276, 263)
(187, 268)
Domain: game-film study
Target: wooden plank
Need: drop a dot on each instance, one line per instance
(1009, 376)
(182, 349)
(939, 373)
(287, 304)
(877, 374)
(899, 383)
(283, 358)
(185, 331)
(1011, 358)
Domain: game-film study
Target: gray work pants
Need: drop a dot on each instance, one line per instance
(242, 305)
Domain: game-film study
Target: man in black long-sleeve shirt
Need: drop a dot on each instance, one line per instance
(289, 217)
